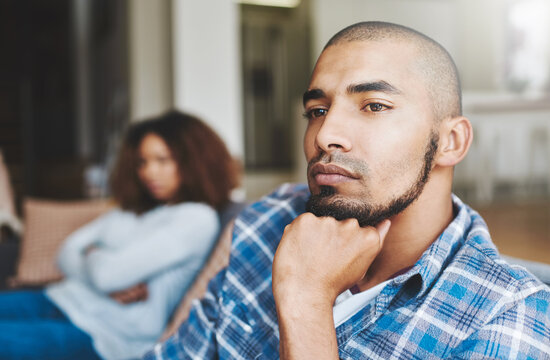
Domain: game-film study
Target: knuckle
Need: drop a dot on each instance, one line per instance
(351, 222)
(371, 232)
(307, 215)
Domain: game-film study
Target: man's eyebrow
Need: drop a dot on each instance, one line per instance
(312, 94)
(380, 86)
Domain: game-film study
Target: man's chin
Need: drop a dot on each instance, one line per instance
(331, 196)
(339, 207)
(328, 201)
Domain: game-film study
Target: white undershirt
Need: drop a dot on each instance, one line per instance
(348, 304)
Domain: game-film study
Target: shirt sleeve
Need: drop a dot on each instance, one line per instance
(71, 256)
(188, 234)
(522, 331)
(196, 337)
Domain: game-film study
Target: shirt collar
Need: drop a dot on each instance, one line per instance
(431, 263)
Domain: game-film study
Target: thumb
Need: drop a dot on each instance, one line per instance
(383, 227)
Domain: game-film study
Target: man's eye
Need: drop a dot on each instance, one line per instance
(375, 107)
(316, 113)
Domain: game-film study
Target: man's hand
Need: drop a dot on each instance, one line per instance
(317, 259)
(135, 293)
(322, 257)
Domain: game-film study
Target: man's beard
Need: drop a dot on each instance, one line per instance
(328, 203)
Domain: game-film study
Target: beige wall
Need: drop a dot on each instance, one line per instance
(185, 54)
(150, 58)
(472, 31)
(207, 67)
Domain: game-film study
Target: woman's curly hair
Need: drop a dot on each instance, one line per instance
(207, 169)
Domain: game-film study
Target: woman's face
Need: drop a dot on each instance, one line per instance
(157, 169)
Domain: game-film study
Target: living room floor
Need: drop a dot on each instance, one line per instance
(520, 229)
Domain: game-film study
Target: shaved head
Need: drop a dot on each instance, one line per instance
(433, 62)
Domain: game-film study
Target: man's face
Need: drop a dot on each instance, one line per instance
(370, 139)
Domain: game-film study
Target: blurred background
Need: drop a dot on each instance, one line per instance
(74, 73)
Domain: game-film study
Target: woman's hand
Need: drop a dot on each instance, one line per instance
(133, 294)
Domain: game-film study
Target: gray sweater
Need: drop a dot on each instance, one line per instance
(165, 248)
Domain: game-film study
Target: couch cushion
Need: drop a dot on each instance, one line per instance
(47, 224)
(218, 259)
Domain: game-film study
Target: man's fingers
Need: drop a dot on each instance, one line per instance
(383, 227)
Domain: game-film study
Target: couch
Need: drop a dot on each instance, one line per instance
(30, 262)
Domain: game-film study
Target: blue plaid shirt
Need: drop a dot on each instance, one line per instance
(460, 299)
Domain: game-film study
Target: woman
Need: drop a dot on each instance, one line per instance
(126, 271)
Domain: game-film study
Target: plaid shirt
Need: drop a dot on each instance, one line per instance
(460, 299)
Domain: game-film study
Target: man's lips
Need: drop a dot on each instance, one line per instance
(327, 174)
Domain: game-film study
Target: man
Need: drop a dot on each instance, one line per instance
(381, 261)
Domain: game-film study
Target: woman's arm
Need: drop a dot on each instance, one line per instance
(188, 232)
(72, 254)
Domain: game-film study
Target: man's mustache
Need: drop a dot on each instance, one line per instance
(356, 166)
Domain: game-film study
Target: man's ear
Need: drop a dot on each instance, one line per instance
(455, 137)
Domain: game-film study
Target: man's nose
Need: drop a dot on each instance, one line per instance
(334, 133)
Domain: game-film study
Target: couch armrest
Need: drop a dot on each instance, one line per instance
(219, 258)
(9, 253)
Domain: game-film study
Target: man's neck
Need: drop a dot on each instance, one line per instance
(411, 233)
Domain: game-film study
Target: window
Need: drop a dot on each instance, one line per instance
(528, 46)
